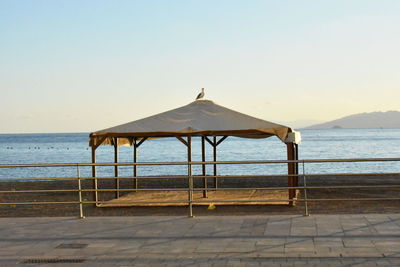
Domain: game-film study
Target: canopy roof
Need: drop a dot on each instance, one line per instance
(199, 118)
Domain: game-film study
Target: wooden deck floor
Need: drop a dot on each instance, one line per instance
(180, 198)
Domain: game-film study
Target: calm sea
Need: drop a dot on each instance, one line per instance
(316, 144)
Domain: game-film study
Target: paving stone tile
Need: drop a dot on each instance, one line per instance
(330, 245)
(361, 252)
(299, 242)
(270, 242)
(349, 242)
(270, 249)
(289, 240)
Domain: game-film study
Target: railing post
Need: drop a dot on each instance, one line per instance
(190, 177)
(78, 174)
(305, 192)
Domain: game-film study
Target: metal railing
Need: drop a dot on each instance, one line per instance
(304, 188)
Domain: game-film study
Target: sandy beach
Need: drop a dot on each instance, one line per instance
(326, 207)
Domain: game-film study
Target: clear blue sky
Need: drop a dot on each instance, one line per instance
(77, 66)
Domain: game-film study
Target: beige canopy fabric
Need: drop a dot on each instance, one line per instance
(199, 118)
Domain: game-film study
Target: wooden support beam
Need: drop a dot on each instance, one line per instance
(292, 181)
(116, 181)
(203, 159)
(190, 177)
(209, 141)
(186, 143)
(140, 142)
(189, 145)
(94, 181)
(221, 140)
(135, 156)
(296, 157)
(101, 141)
(215, 160)
(136, 145)
(214, 143)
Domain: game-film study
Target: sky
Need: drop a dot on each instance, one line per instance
(83, 66)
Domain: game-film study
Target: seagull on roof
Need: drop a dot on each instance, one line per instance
(201, 95)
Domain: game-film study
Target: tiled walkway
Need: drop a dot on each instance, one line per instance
(270, 240)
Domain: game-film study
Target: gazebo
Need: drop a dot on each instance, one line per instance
(201, 118)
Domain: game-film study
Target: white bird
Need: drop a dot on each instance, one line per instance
(201, 95)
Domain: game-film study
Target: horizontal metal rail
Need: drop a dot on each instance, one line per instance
(137, 203)
(79, 190)
(201, 176)
(299, 200)
(202, 189)
(199, 162)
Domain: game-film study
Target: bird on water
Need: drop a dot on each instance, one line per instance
(201, 95)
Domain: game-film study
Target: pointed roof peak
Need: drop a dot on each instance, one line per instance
(205, 101)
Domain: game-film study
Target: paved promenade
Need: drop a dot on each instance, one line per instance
(270, 240)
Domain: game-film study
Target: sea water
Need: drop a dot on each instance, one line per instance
(316, 144)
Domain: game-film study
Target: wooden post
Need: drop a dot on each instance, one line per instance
(215, 160)
(136, 145)
(292, 181)
(296, 148)
(203, 159)
(116, 167)
(94, 180)
(135, 155)
(214, 144)
(190, 177)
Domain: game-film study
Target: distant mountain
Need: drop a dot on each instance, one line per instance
(389, 119)
(299, 124)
